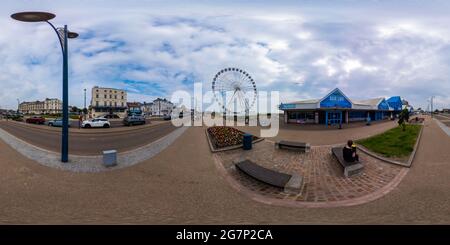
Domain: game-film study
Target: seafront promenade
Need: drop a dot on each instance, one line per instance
(183, 185)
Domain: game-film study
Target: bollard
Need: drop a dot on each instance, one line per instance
(110, 158)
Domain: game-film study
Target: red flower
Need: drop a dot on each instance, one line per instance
(223, 136)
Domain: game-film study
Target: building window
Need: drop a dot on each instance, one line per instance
(105, 96)
(110, 103)
(104, 103)
(110, 96)
(122, 104)
(115, 96)
(96, 96)
(122, 96)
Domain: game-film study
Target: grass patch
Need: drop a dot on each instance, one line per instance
(394, 142)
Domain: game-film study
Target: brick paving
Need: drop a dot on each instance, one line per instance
(323, 179)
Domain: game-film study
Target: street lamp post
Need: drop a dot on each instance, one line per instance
(63, 34)
(431, 102)
(84, 109)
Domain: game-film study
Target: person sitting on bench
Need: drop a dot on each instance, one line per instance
(349, 152)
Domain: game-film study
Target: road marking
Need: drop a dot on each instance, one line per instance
(443, 126)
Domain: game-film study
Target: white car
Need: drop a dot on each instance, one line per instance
(96, 123)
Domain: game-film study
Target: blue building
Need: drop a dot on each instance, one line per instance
(336, 108)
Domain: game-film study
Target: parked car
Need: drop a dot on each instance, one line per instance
(58, 122)
(96, 123)
(36, 120)
(167, 117)
(133, 120)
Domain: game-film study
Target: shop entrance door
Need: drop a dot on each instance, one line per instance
(333, 117)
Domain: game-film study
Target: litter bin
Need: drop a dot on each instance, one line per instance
(247, 141)
(110, 158)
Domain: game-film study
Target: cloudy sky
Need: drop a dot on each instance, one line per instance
(303, 49)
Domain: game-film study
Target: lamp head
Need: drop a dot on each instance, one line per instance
(72, 34)
(33, 16)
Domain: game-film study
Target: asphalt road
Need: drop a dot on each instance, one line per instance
(91, 143)
(114, 123)
(444, 118)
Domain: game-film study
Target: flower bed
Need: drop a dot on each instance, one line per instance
(222, 136)
(417, 120)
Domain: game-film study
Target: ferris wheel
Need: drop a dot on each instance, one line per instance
(237, 83)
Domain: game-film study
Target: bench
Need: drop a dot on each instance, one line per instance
(290, 183)
(293, 145)
(350, 168)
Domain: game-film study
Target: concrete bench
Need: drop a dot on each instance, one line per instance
(290, 183)
(293, 145)
(350, 168)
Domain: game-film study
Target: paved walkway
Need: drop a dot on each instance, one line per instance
(324, 184)
(314, 134)
(182, 185)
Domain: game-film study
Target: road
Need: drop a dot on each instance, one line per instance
(115, 123)
(444, 118)
(90, 141)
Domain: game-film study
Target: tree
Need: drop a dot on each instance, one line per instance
(403, 118)
(74, 109)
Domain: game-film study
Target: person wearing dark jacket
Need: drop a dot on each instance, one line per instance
(349, 152)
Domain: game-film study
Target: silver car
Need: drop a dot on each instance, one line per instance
(58, 122)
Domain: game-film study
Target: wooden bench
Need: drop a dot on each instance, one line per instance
(290, 183)
(293, 145)
(350, 168)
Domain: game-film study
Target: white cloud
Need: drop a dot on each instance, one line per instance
(304, 35)
(153, 47)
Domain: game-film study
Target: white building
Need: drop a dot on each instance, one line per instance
(47, 106)
(146, 108)
(108, 101)
(161, 107)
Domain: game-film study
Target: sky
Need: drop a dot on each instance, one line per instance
(303, 49)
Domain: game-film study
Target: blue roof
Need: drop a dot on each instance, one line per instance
(395, 102)
(335, 99)
(394, 99)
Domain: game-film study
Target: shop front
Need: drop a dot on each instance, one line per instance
(336, 108)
